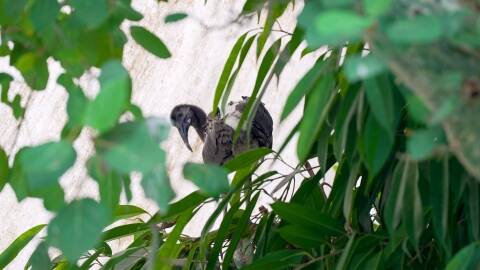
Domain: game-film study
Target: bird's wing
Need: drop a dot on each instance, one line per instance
(262, 125)
(218, 144)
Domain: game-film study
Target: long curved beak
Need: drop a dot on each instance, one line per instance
(183, 130)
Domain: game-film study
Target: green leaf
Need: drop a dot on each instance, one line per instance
(361, 68)
(174, 17)
(133, 146)
(77, 227)
(252, 6)
(157, 187)
(222, 236)
(342, 261)
(377, 146)
(175, 209)
(275, 10)
(167, 251)
(416, 30)
(34, 70)
(17, 245)
(316, 110)
(127, 211)
(303, 237)
(227, 70)
(211, 179)
(4, 169)
(422, 143)
(44, 13)
(40, 259)
(277, 260)
(11, 11)
(43, 165)
(376, 8)
(380, 97)
(467, 258)
(89, 13)
(303, 216)
(303, 87)
(124, 230)
(247, 158)
(113, 99)
(240, 228)
(149, 42)
(126, 11)
(412, 208)
(332, 27)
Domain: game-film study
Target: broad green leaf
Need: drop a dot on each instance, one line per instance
(277, 260)
(77, 101)
(44, 13)
(127, 211)
(4, 169)
(316, 110)
(467, 258)
(89, 13)
(422, 143)
(377, 146)
(416, 30)
(5, 80)
(115, 91)
(157, 187)
(380, 97)
(297, 214)
(361, 68)
(332, 27)
(303, 237)
(11, 11)
(174, 17)
(237, 235)
(210, 179)
(247, 158)
(43, 165)
(167, 250)
(40, 259)
(227, 70)
(34, 70)
(303, 87)
(17, 245)
(77, 227)
(377, 8)
(133, 146)
(149, 42)
(416, 108)
(124, 9)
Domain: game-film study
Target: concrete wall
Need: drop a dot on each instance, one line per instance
(199, 45)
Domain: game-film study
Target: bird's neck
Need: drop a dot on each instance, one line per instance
(199, 123)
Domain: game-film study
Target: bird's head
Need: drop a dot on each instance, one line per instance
(183, 116)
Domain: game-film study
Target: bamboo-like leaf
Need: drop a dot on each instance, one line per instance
(227, 69)
(277, 260)
(467, 258)
(316, 110)
(241, 226)
(17, 245)
(167, 250)
(247, 158)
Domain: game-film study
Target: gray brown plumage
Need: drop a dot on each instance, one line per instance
(217, 131)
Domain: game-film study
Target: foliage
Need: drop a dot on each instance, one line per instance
(389, 106)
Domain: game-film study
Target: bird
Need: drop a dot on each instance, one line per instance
(217, 131)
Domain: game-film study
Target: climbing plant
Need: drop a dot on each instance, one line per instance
(389, 106)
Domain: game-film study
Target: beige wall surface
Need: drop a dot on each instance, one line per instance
(200, 45)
